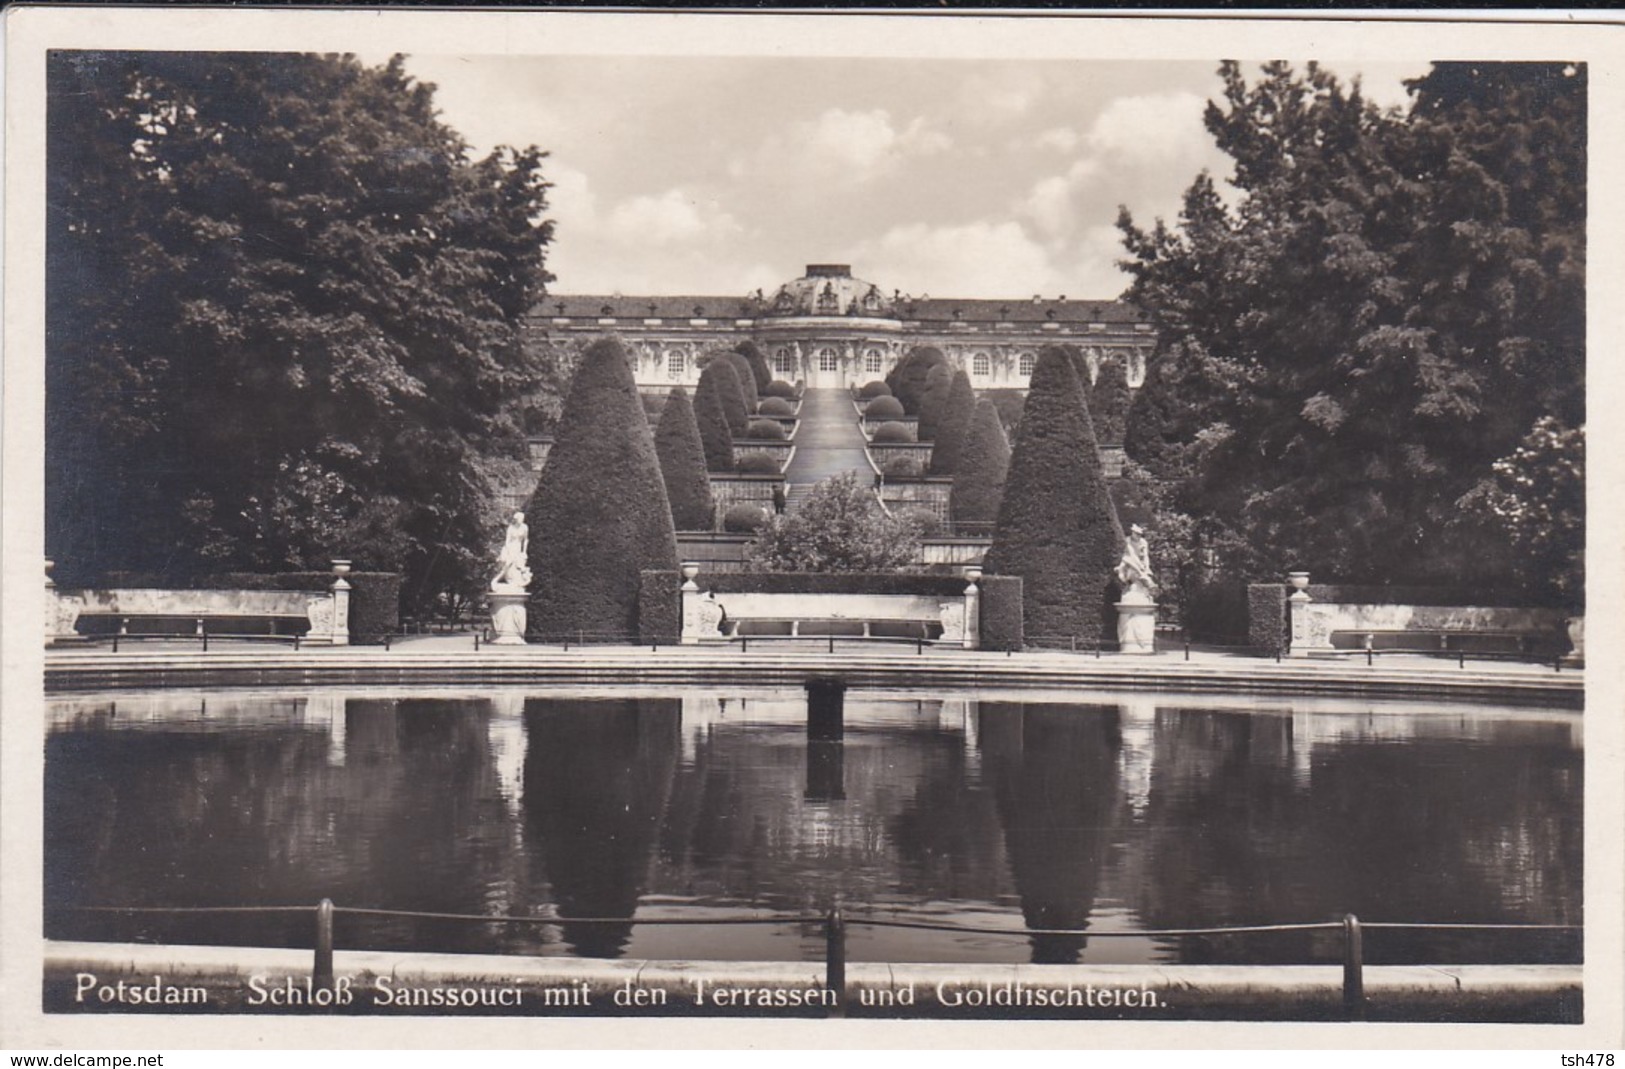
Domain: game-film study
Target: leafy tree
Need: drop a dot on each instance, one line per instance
(283, 317)
(1056, 527)
(1394, 302)
(715, 437)
(953, 425)
(840, 527)
(1537, 495)
(721, 380)
(982, 465)
(933, 399)
(599, 515)
(682, 464)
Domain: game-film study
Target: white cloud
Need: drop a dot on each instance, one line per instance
(978, 259)
(846, 147)
(1054, 204)
(1157, 129)
(668, 218)
(1059, 138)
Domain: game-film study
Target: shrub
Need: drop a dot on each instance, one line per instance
(885, 407)
(716, 439)
(747, 378)
(873, 389)
(1266, 616)
(1056, 527)
(933, 400)
(953, 425)
(759, 464)
(775, 406)
(1109, 401)
(683, 464)
(599, 515)
(907, 379)
(1001, 612)
(760, 372)
(744, 519)
(768, 429)
(780, 388)
(924, 522)
(720, 378)
(902, 468)
(660, 606)
(984, 459)
(893, 434)
(840, 527)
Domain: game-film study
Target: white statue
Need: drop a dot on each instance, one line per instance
(513, 567)
(1134, 570)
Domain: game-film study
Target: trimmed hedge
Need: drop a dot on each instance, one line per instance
(775, 406)
(780, 388)
(660, 606)
(953, 425)
(1056, 527)
(766, 430)
(884, 407)
(902, 467)
(744, 519)
(1267, 627)
(716, 439)
(758, 365)
(1109, 401)
(748, 387)
(599, 514)
(720, 378)
(934, 400)
(758, 464)
(983, 464)
(923, 520)
(1001, 612)
(907, 379)
(683, 464)
(1216, 611)
(892, 434)
(873, 389)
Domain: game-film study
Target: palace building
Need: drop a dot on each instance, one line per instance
(828, 329)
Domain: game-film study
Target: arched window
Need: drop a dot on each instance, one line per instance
(1027, 362)
(872, 362)
(675, 364)
(981, 365)
(829, 360)
(783, 363)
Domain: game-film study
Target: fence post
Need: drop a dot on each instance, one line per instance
(476, 642)
(835, 959)
(323, 972)
(1353, 969)
(832, 642)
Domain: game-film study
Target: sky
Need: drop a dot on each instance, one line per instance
(935, 177)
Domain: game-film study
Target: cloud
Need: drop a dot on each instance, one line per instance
(977, 259)
(1148, 130)
(668, 218)
(1054, 204)
(1059, 138)
(847, 147)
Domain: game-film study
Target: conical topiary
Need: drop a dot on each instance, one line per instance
(1109, 402)
(599, 515)
(983, 463)
(716, 439)
(933, 399)
(748, 385)
(719, 377)
(953, 425)
(682, 464)
(758, 364)
(1056, 527)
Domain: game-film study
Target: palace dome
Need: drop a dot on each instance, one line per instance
(829, 290)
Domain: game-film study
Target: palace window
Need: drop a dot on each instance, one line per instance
(675, 364)
(783, 364)
(871, 361)
(829, 360)
(1027, 362)
(828, 302)
(981, 365)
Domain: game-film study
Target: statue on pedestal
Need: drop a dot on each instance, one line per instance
(1137, 608)
(509, 586)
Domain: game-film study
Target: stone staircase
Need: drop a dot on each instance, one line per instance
(794, 495)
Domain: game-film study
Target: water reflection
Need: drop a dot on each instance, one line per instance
(1137, 813)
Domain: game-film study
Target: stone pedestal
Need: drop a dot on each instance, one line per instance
(1576, 627)
(1136, 626)
(508, 614)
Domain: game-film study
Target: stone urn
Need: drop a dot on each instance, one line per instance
(1576, 626)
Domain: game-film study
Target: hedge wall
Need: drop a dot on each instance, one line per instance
(660, 606)
(1217, 612)
(1266, 616)
(1001, 612)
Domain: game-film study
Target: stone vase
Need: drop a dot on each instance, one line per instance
(508, 614)
(1577, 641)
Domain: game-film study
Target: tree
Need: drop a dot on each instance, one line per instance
(746, 375)
(682, 464)
(1537, 496)
(933, 399)
(1394, 302)
(1056, 527)
(721, 380)
(840, 527)
(1109, 402)
(907, 379)
(953, 425)
(982, 465)
(758, 364)
(283, 317)
(599, 515)
(716, 438)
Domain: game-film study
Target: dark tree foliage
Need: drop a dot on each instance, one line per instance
(873, 389)
(715, 437)
(721, 380)
(907, 379)
(682, 464)
(1109, 402)
(776, 406)
(953, 425)
(981, 468)
(892, 434)
(885, 407)
(933, 399)
(747, 379)
(841, 527)
(761, 374)
(599, 515)
(1056, 526)
(283, 317)
(1393, 304)
(765, 430)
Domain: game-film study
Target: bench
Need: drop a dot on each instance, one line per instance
(313, 616)
(905, 617)
(1438, 640)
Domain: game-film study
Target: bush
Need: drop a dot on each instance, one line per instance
(903, 468)
(720, 378)
(1216, 611)
(984, 460)
(682, 464)
(924, 522)
(907, 379)
(1266, 616)
(747, 378)
(953, 425)
(766, 429)
(775, 406)
(759, 370)
(873, 389)
(841, 527)
(599, 515)
(660, 607)
(893, 434)
(780, 388)
(883, 408)
(759, 464)
(716, 439)
(744, 519)
(1109, 401)
(1056, 527)
(1001, 612)
(933, 400)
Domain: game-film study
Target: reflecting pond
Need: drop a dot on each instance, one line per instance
(1123, 812)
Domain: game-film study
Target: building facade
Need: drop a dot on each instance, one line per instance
(828, 329)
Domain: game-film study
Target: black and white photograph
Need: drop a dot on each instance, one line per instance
(525, 525)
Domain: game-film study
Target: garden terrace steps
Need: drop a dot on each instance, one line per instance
(828, 441)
